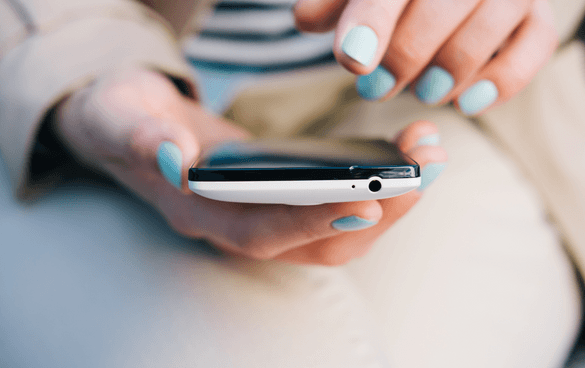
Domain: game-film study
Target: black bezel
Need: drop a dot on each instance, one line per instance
(293, 173)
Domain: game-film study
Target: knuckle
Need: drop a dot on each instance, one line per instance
(405, 57)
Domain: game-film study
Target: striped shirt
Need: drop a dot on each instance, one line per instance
(244, 40)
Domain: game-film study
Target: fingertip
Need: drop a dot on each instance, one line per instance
(317, 15)
(429, 140)
(170, 163)
(354, 216)
(478, 97)
(432, 160)
(418, 133)
(376, 85)
(367, 210)
(370, 210)
(174, 160)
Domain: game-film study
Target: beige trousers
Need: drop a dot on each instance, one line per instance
(473, 276)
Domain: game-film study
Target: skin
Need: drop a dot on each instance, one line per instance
(504, 41)
(117, 123)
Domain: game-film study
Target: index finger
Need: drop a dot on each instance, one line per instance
(364, 31)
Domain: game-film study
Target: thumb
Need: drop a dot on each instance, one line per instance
(178, 146)
(159, 152)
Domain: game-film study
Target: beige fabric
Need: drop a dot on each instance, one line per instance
(185, 16)
(568, 14)
(50, 48)
(460, 280)
(290, 103)
(544, 129)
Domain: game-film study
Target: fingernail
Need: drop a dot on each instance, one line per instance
(429, 173)
(360, 44)
(478, 97)
(375, 85)
(429, 140)
(352, 223)
(170, 162)
(434, 85)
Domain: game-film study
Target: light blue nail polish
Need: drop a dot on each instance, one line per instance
(429, 173)
(360, 44)
(375, 85)
(429, 140)
(478, 97)
(170, 162)
(352, 223)
(434, 85)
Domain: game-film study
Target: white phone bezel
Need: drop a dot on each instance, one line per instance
(302, 192)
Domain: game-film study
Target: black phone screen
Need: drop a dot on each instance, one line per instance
(303, 159)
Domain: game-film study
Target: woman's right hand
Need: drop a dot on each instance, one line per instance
(136, 126)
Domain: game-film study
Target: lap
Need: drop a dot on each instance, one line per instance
(91, 277)
(474, 275)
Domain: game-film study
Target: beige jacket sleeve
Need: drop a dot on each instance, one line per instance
(50, 48)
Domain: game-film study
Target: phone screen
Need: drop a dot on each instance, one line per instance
(303, 159)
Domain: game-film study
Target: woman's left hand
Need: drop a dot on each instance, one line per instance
(476, 53)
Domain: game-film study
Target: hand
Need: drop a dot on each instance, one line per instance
(137, 127)
(476, 53)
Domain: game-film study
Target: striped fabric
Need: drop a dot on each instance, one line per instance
(256, 36)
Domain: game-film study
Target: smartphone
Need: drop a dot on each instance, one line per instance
(304, 171)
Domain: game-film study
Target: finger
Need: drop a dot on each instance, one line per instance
(363, 33)
(318, 15)
(421, 30)
(470, 48)
(419, 133)
(264, 231)
(170, 147)
(342, 248)
(515, 65)
(158, 153)
(122, 119)
(211, 130)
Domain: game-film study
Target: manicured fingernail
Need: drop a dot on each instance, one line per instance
(352, 223)
(375, 85)
(429, 140)
(170, 162)
(478, 97)
(434, 85)
(360, 44)
(429, 173)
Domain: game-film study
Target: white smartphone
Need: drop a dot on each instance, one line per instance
(304, 171)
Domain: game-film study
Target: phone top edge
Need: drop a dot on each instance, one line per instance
(292, 173)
